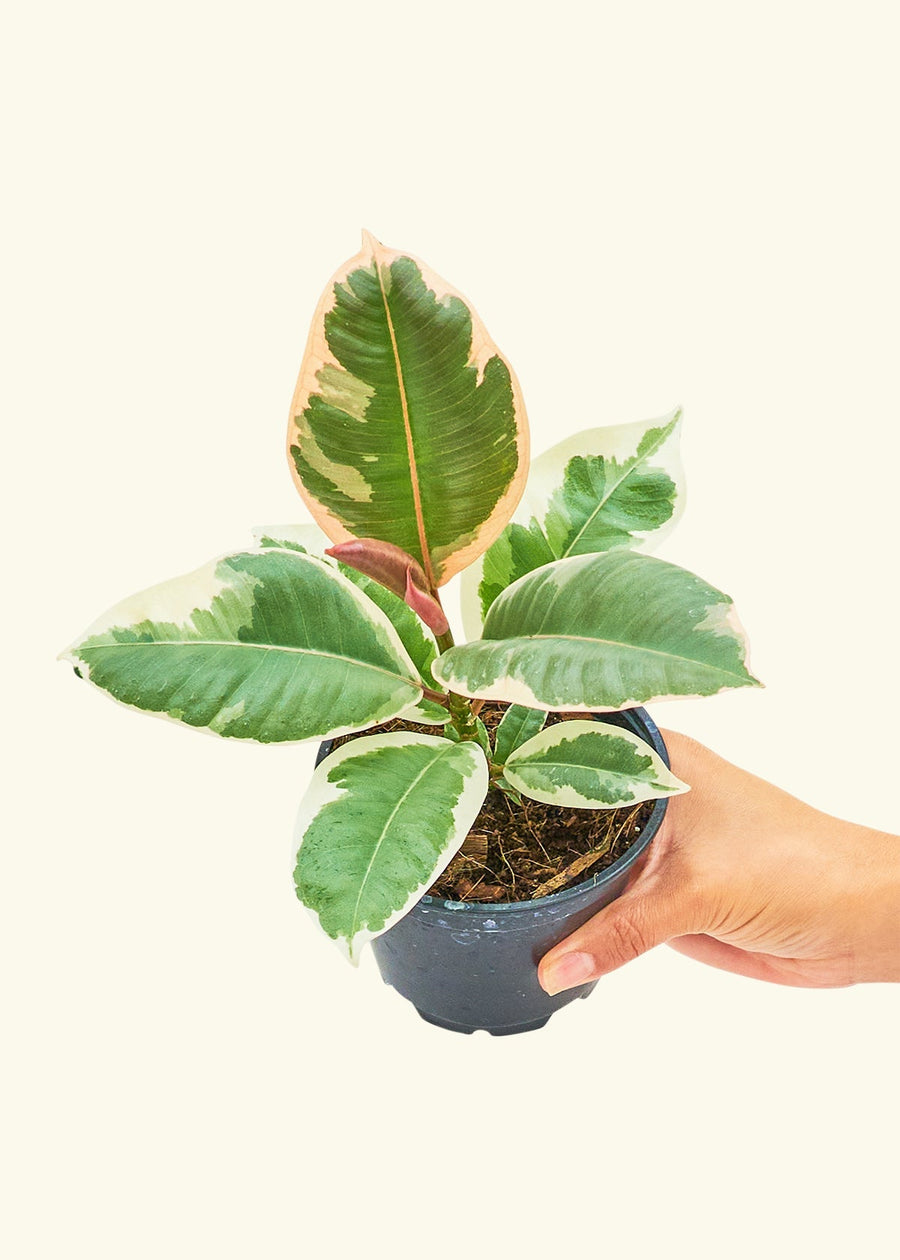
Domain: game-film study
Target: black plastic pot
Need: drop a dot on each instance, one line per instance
(467, 965)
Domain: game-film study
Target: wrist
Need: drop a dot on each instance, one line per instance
(877, 911)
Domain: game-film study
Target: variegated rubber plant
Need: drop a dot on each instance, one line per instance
(408, 442)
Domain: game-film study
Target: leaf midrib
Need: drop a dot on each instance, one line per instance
(618, 780)
(629, 469)
(616, 643)
(442, 752)
(517, 766)
(407, 428)
(240, 643)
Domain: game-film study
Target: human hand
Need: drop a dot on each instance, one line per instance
(747, 878)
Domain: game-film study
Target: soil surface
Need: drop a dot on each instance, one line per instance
(521, 852)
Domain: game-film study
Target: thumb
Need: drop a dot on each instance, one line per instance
(622, 931)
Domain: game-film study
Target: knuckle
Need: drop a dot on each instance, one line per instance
(627, 938)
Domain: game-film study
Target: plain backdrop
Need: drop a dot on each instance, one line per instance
(649, 204)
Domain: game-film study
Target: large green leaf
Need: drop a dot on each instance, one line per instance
(602, 632)
(620, 486)
(266, 645)
(382, 818)
(407, 423)
(590, 765)
(416, 639)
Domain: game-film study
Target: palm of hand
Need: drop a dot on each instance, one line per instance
(747, 878)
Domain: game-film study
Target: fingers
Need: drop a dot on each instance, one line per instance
(798, 973)
(665, 898)
(725, 957)
(621, 932)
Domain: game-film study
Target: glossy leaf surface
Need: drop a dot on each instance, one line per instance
(517, 725)
(382, 818)
(620, 486)
(269, 645)
(407, 423)
(417, 641)
(602, 632)
(589, 765)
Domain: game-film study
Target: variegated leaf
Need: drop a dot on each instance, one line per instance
(590, 765)
(418, 641)
(407, 423)
(382, 818)
(620, 486)
(602, 632)
(269, 645)
(517, 725)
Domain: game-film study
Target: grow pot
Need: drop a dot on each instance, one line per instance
(467, 965)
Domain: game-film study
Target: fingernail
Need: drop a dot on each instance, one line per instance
(566, 972)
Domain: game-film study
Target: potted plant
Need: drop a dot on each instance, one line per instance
(408, 442)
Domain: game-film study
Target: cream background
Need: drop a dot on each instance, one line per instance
(649, 204)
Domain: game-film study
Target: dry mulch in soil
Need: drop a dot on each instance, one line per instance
(521, 852)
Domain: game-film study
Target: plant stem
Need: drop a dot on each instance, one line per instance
(461, 713)
(461, 716)
(444, 642)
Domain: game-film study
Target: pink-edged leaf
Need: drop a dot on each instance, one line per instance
(407, 422)
(425, 606)
(383, 561)
(397, 570)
